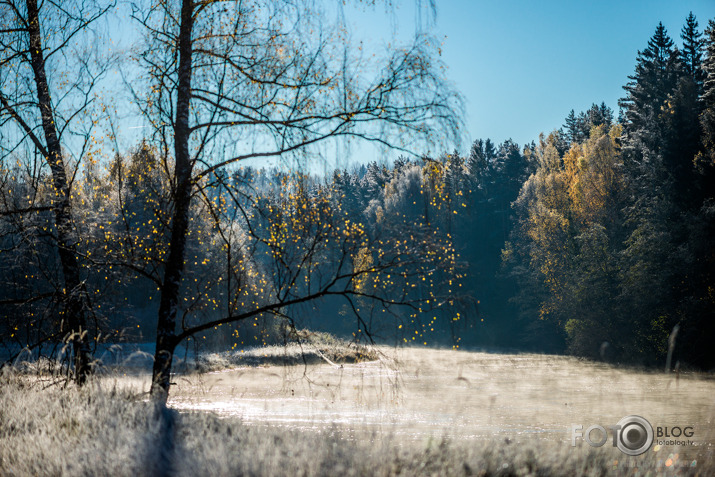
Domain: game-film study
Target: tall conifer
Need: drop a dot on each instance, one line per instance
(655, 78)
(691, 55)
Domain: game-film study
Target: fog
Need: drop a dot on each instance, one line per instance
(411, 411)
(417, 393)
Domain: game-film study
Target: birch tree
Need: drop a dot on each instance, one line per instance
(43, 113)
(230, 81)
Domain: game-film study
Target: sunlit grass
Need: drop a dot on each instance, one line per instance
(436, 412)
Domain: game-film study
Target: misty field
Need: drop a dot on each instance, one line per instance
(410, 412)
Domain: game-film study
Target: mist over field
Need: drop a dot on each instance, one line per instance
(413, 411)
(415, 393)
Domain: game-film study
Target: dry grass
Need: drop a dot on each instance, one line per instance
(101, 430)
(306, 348)
(316, 351)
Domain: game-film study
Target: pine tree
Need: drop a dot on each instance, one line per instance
(578, 128)
(598, 115)
(698, 325)
(692, 54)
(572, 127)
(681, 141)
(606, 113)
(681, 134)
(656, 76)
(706, 159)
(480, 164)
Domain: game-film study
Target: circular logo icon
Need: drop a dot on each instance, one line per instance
(635, 435)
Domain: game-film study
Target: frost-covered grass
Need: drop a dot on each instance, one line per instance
(314, 352)
(306, 348)
(414, 411)
(102, 430)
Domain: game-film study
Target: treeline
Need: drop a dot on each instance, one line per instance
(614, 232)
(595, 240)
(255, 236)
(610, 230)
(445, 219)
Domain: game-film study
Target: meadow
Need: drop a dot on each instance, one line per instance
(411, 411)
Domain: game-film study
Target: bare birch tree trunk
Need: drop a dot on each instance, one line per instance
(166, 325)
(74, 312)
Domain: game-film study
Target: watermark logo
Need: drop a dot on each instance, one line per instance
(633, 435)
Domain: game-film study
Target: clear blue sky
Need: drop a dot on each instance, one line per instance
(522, 65)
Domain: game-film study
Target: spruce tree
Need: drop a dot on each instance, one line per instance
(656, 76)
(691, 55)
(698, 326)
(681, 135)
(577, 129)
(572, 127)
(597, 116)
(706, 159)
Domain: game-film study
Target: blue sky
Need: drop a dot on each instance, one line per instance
(523, 65)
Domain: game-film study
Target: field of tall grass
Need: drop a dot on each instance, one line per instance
(111, 427)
